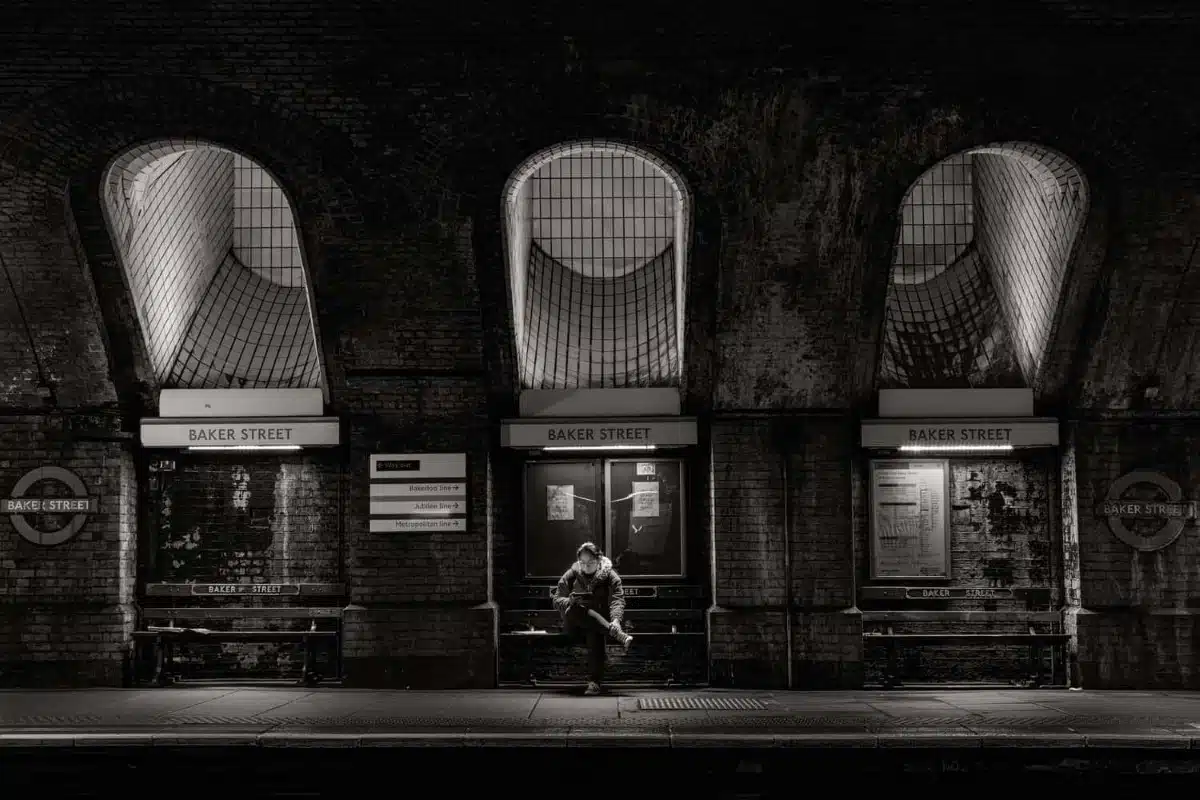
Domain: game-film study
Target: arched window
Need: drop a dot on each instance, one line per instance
(983, 248)
(597, 238)
(208, 243)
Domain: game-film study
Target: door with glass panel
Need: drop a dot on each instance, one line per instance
(633, 508)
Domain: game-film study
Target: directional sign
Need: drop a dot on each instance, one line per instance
(418, 492)
(431, 525)
(433, 507)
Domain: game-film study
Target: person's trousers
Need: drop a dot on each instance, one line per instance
(590, 625)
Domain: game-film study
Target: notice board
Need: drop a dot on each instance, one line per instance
(910, 518)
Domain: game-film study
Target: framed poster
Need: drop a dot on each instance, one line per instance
(910, 519)
(646, 526)
(564, 507)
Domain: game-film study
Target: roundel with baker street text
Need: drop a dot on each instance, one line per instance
(48, 506)
(1147, 510)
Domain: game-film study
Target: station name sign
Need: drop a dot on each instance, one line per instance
(56, 505)
(1133, 519)
(1140, 509)
(209, 589)
(926, 435)
(658, 432)
(298, 431)
(954, 593)
(887, 434)
(949, 593)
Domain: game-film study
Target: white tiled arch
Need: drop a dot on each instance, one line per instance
(980, 261)
(208, 243)
(568, 365)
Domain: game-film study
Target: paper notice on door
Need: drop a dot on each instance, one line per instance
(645, 499)
(560, 502)
(645, 468)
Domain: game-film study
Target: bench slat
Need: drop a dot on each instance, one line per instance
(939, 638)
(560, 634)
(660, 592)
(238, 636)
(522, 616)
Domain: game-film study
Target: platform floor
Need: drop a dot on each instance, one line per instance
(335, 717)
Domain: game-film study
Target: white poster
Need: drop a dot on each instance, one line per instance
(910, 519)
(645, 468)
(560, 502)
(645, 499)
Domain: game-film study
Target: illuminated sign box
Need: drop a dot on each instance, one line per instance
(952, 434)
(230, 433)
(600, 434)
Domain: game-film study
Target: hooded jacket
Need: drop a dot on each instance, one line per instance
(605, 586)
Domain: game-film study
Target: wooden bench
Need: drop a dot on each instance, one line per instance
(541, 594)
(164, 638)
(1035, 640)
(539, 627)
(907, 596)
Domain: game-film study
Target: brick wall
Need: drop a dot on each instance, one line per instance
(1137, 624)
(223, 518)
(756, 516)
(66, 611)
(420, 611)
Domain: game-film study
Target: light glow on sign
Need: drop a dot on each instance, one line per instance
(244, 447)
(956, 448)
(599, 447)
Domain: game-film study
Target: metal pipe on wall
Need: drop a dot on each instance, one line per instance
(787, 563)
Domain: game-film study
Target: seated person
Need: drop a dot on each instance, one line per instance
(589, 585)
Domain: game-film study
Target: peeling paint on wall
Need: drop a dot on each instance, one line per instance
(241, 489)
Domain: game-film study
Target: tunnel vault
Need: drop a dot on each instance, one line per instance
(208, 243)
(596, 236)
(979, 265)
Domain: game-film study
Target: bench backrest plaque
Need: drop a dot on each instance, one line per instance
(205, 589)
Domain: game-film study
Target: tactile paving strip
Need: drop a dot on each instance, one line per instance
(701, 704)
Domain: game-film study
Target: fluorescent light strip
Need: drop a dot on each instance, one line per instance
(956, 448)
(599, 447)
(245, 447)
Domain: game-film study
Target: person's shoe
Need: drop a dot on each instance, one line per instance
(592, 689)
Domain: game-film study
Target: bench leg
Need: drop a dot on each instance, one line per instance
(308, 674)
(161, 662)
(892, 677)
(1035, 666)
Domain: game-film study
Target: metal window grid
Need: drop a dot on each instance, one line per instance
(208, 241)
(981, 256)
(600, 307)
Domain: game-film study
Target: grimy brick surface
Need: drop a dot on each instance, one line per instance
(393, 132)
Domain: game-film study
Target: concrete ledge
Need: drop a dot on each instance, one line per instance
(615, 739)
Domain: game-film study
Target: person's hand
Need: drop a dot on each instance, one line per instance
(572, 601)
